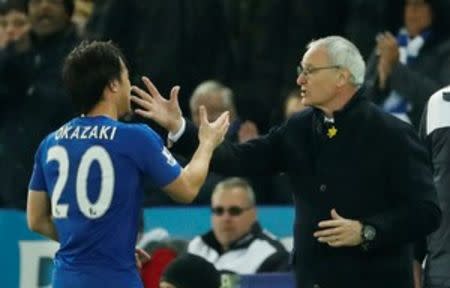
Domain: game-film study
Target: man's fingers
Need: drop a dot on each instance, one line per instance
(144, 95)
(151, 88)
(143, 255)
(223, 118)
(225, 124)
(336, 243)
(328, 239)
(327, 232)
(203, 115)
(331, 223)
(143, 113)
(138, 261)
(174, 94)
(335, 215)
(144, 104)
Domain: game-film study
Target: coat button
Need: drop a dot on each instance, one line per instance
(323, 188)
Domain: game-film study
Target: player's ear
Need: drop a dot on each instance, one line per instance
(113, 85)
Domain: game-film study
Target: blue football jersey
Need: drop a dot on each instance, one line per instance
(92, 169)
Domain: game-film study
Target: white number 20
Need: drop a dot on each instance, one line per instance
(89, 209)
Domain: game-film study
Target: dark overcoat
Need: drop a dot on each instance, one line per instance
(374, 169)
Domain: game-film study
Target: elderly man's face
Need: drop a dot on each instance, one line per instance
(418, 16)
(318, 83)
(47, 16)
(233, 215)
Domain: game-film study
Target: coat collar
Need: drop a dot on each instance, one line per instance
(348, 107)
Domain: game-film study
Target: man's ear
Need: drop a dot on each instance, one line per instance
(113, 86)
(343, 78)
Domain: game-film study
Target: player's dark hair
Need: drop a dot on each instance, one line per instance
(88, 69)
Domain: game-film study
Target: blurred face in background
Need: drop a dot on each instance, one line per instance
(47, 17)
(16, 24)
(418, 16)
(233, 215)
(213, 103)
(3, 36)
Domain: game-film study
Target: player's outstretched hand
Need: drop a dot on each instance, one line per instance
(152, 105)
(212, 133)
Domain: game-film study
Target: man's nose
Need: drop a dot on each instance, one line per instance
(301, 79)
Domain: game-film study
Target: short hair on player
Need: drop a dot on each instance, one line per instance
(88, 69)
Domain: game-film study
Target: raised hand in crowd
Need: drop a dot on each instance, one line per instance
(388, 52)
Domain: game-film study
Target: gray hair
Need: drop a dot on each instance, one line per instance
(343, 53)
(212, 86)
(234, 182)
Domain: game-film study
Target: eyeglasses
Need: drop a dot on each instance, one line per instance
(232, 210)
(310, 69)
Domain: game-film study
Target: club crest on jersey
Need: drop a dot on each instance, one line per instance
(170, 159)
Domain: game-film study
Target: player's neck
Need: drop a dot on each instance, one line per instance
(103, 108)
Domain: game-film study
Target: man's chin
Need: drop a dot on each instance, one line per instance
(305, 102)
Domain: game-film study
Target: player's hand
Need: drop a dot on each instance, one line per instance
(212, 133)
(339, 231)
(141, 256)
(166, 113)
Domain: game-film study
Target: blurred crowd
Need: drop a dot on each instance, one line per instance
(236, 55)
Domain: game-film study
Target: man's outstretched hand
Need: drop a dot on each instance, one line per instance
(152, 105)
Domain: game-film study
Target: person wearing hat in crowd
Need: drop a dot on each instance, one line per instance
(190, 271)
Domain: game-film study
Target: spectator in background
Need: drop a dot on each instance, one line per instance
(217, 99)
(82, 13)
(16, 24)
(3, 36)
(406, 68)
(190, 271)
(33, 101)
(237, 243)
(435, 129)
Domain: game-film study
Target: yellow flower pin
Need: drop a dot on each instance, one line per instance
(332, 131)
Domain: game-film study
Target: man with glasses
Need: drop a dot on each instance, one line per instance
(363, 187)
(237, 243)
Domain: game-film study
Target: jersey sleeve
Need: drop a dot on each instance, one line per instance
(153, 158)
(37, 180)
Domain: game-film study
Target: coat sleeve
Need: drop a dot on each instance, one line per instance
(414, 211)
